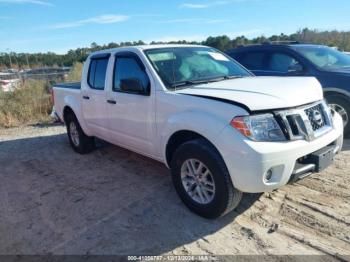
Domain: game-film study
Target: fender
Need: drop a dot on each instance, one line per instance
(337, 90)
(71, 102)
(227, 101)
(192, 121)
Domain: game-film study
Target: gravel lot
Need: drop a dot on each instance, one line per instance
(113, 201)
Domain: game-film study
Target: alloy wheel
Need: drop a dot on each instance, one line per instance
(342, 112)
(74, 135)
(197, 181)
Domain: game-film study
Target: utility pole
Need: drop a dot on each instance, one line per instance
(27, 61)
(9, 54)
(36, 59)
(15, 56)
(1, 56)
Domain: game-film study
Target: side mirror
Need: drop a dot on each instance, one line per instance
(132, 85)
(295, 68)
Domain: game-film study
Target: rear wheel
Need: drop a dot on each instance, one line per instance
(80, 142)
(341, 105)
(202, 181)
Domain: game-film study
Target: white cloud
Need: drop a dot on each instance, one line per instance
(182, 20)
(195, 20)
(218, 21)
(102, 19)
(210, 4)
(36, 2)
(194, 6)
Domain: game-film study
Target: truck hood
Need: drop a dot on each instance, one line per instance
(261, 93)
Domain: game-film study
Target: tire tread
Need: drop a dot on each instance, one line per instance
(234, 196)
(87, 143)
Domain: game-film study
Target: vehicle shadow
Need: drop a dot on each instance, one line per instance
(346, 145)
(111, 201)
(50, 123)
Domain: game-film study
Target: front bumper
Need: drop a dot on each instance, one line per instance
(249, 162)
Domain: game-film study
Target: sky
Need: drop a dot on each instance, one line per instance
(60, 25)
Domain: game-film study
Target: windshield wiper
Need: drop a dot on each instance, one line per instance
(188, 83)
(232, 77)
(204, 81)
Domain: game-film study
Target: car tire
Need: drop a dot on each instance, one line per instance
(223, 196)
(341, 104)
(80, 142)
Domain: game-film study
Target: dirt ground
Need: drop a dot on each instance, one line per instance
(113, 201)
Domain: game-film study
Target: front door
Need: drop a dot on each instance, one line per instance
(132, 108)
(283, 64)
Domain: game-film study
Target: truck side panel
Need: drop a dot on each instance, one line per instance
(69, 97)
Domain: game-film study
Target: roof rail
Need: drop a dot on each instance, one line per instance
(271, 43)
(244, 45)
(282, 42)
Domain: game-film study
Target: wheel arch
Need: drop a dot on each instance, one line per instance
(68, 109)
(336, 91)
(188, 125)
(180, 137)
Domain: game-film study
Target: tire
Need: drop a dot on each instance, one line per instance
(79, 141)
(341, 104)
(225, 197)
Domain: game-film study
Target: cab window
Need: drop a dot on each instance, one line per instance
(253, 61)
(129, 70)
(280, 62)
(97, 73)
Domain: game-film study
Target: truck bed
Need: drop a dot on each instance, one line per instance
(62, 93)
(73, 85)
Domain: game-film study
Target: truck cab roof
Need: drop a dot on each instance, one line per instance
(145, 47)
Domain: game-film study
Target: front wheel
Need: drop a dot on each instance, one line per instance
(341, 105)
(202, 181)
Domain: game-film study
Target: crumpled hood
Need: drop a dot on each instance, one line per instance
(261, 93)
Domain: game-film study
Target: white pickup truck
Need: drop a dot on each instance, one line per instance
(221, 130)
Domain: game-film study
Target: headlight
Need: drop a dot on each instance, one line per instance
(259, 127)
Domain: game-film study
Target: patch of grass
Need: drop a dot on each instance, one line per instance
(30, 103)
(75, 73)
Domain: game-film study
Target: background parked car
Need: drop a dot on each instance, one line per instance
(9, 81)
(329, 66)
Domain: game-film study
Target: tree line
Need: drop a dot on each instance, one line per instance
(339, 39)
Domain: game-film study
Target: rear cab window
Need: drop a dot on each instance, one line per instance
(97, 71)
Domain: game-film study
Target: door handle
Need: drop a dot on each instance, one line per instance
(86, 97)
(113, 102)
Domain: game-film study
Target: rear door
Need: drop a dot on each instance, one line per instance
(94, 95)
(255, 61)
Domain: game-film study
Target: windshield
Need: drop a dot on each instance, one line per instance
(183, 66)
(325, 57)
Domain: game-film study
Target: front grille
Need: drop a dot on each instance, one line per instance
(316, 117)
(307, 122)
